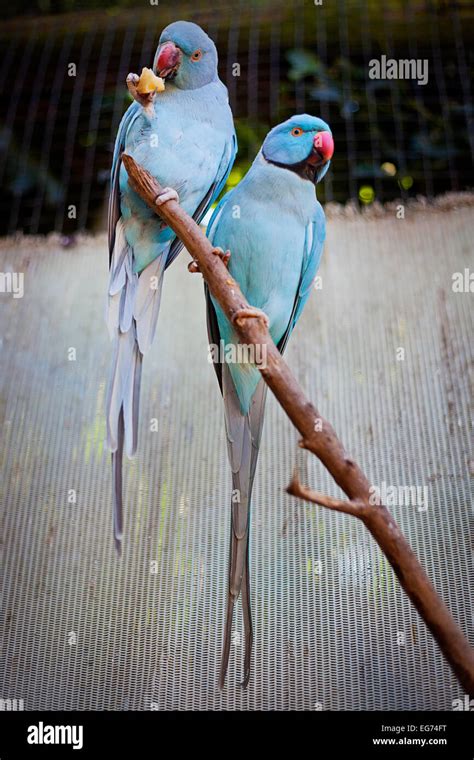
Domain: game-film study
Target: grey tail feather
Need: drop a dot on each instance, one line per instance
(239, 584)
(122, 406)
(132, 315)
(117, 461)
(227, 638)
(247, 613)
(244, 433)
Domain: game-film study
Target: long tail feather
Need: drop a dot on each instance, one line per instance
(229, 617)
(243, 435)
(247, 613)
(247, 616)
(132, 314)
(117, 457)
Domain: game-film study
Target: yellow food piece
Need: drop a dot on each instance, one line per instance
(149, 82)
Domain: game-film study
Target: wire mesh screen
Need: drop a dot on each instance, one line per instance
(62, 88)
(81, 629)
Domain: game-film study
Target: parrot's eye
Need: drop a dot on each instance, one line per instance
(197, 55)
(296, 131)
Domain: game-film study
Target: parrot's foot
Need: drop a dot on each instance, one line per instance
(223, 255)
(167, 194)
(144, 100)
(250, 313)
(193, 267)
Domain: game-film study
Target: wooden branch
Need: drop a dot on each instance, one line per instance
(318, 435)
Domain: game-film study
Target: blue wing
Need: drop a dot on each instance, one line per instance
(225, 167)
(114, 198)
(225, 199)
(314, 241)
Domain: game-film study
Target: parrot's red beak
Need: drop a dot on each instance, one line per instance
(323, 147)
(168, 60)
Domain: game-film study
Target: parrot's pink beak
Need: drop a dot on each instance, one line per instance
(323, 145)
(168, 60)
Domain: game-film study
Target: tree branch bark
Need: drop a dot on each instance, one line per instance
(318, 436)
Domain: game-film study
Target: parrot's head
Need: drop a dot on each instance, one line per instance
(302, 144)
(186, 56)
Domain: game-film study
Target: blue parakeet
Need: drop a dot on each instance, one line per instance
(274, 227)
(185, 138)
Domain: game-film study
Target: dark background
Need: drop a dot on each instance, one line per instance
(393, 138)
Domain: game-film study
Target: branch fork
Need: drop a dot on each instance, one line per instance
(296, 488)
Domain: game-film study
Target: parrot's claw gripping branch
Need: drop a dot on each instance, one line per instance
(321, 440)
(224, 256)
(167, 194)
(249, 313)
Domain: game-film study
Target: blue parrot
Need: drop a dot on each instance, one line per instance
(274, 227)
(185, 137)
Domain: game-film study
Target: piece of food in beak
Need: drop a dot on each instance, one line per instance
(149, 82)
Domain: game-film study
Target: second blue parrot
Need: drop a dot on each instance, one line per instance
(274, 227)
